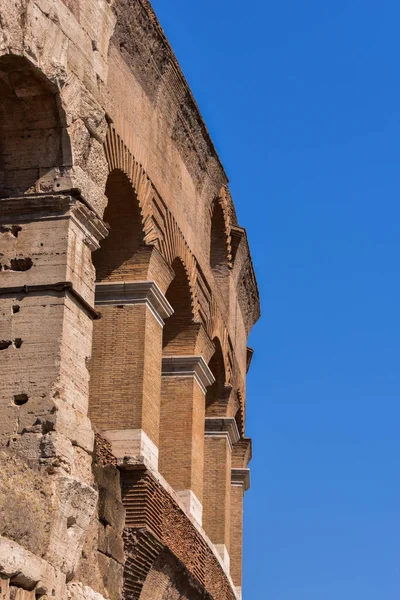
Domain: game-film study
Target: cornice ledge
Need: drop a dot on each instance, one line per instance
(90, 224)
(134, 292)
(222, 427)
(241, 477)
(188, 366)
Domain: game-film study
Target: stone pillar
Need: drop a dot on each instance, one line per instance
(184, 383)
(240, 483)
(46, 314)
(220, 434)
(126, 367)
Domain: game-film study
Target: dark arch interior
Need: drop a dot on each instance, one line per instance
(179, 296)
(115, 258)
(30, 127)
(218, 248)
(217, 368)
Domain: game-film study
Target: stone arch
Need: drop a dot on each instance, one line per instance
(34, 145)
(115, 259)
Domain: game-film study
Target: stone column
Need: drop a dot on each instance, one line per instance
(220, 435)
(126, 367)
(184, 383)
(240, 483)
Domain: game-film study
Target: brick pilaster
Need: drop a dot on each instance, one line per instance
(184, 382)
(220, 435)
(126, 366)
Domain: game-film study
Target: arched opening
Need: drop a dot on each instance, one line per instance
(116, 366)
(218, 249)
(31, 129)
(177, 327)
(115, 260)
(215, 397)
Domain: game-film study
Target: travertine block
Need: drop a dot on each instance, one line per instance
(111, 510)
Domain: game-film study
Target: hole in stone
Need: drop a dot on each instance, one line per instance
(70, 522)
(41, 243)
(57, 185)
(15, 309)
(13, 229)
(4, 344)
(21, 264)
(21, 399)
(18, 342)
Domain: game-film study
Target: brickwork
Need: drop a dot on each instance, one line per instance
(154, 521)
(236, 534)
(182, 434)
(127, 293)
(116, 257)
(126, 370)
(217, 488)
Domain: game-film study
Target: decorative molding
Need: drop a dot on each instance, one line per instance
(241, 477)
(222, 427)
(61, 287)
(51, 207)
(188, 366)
(134, 292)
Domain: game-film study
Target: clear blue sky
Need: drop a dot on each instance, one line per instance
(302, 98)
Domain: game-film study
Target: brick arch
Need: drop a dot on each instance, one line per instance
(116, 256)
(222, 201)
(216, 397)
(217, 330)
(119, 158)
(178, 330)
(174, 246)
(170, 242)
(169, 580)
(240, 414)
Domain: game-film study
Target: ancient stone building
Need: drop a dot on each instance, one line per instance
(127, 295)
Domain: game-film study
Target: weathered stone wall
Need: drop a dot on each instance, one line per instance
(126, 290)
